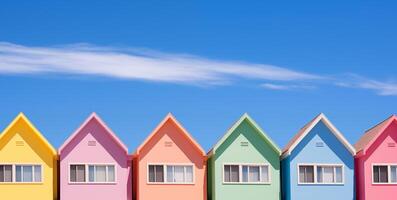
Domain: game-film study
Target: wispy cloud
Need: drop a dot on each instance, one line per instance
(272, 86)
(384, 88)
(136, 64)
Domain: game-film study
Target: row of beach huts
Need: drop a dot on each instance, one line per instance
(245, 164)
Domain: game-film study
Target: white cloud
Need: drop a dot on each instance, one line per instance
(272, 86)
(385, 88)
(136, 64)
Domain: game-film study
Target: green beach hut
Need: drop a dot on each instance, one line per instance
(244, 164)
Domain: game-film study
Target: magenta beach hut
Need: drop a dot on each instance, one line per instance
(95, 164)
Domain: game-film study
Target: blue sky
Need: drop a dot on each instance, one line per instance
(207, 62)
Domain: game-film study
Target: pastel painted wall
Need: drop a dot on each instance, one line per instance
(231, 151)
(179, 149)
(378, 152)
(31, 149)
(333, 152)
(106, 151)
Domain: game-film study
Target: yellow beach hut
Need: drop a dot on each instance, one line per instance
(28, 163)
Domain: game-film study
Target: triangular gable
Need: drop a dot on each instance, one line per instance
(373, 133)
(183, 130)
(36, 132)
(94, 116)
(306, 130)
(259, 130)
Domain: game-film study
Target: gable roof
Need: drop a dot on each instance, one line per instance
(185, 133)
(259, 130)
(94, 116)
(306, 130)
(373, 133)
(36, 132)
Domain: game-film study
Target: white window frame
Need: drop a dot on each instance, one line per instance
(13, 181)
(388, 165)
(87, 182)
(315, 165)
(240, 166)
(165, 182)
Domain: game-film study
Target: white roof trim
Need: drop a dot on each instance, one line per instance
(333, 129)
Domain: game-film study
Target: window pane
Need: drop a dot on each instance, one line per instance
(111, 173)
(393, 175)
(245, 174)
(80, 173)
(170, 174)
(18, 173)
(320, 174)
(383, 174)
(254, 174)
(73, 173)
(8, 173)
(339, 174)
(27, 173)
(226, 173)
(189, 174)
(234, 175)
(1, 173)
(376, 174)
(91, 173)
(265, 174)
(328, 174)
(37, 173)
(159, 173)
(151, 173)
(179, 172)
(100, 175)
(306, 174)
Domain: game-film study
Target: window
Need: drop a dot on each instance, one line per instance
(246, 174)
(320, 174)
(5, 173)
(97, 173)
(170, 174)
(28, 173)
(384, 174)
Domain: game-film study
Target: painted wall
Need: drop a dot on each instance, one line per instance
(105, 151)
(257, 151)
(181, 151)
(333, 152)
(33, 151)
(379, 152)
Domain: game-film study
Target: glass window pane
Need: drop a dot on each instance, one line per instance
(18, 173)
(226, 173)
(265, 174)
(306, 174)
(339, 174)
(27, 173)
(80, 173)
(328, 174)
(254, 174)
(235, 175)
(320, 174)
(72, 174)
(189, 174)
(245, 174)
(376, 174)
(301, 174)
(37, 173)
(111, 173)
(383, 174)
(91, 173)
(8, 173)
(1, 173)
(170, 174)
(159, 173)
(100, 175)
(151, 174)
(179, 174)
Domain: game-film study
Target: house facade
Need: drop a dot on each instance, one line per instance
(244, 164)
(376, 162)
(170, 164)
(28, 163)
(318, 163)
(95, 164)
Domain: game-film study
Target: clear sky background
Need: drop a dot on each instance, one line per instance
(207, 62)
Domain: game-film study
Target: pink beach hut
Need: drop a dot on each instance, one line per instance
(170, 164)
(376, 162)
(95, 164)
